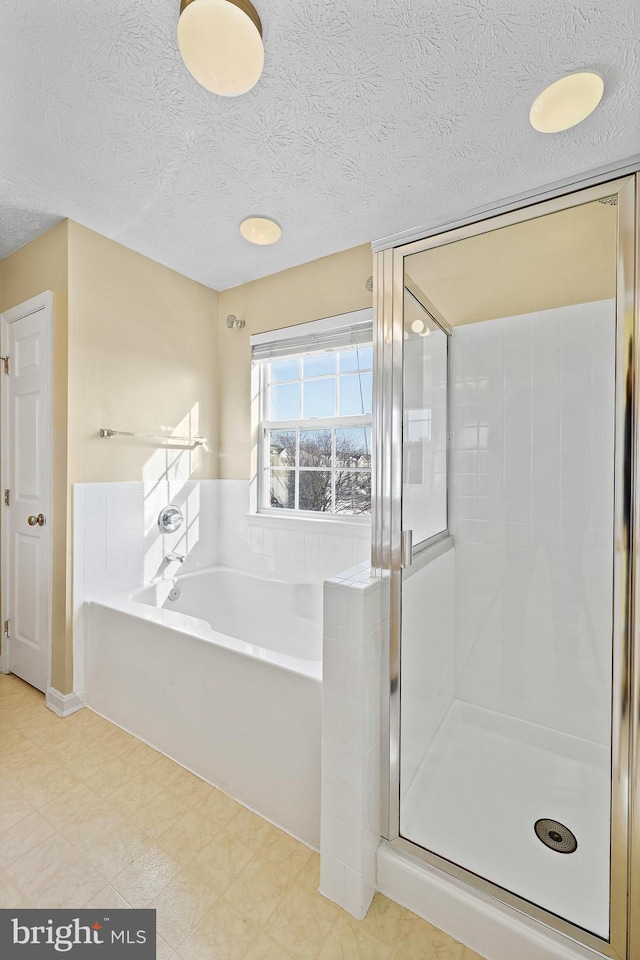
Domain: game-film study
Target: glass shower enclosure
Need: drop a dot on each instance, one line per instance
(505, 513)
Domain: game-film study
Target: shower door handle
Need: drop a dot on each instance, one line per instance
(406, 548)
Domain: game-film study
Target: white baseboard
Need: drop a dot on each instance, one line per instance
(491, 928)
(63, 704)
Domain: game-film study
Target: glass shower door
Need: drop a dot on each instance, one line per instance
(510, 346)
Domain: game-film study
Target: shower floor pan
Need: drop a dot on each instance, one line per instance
(486, 780)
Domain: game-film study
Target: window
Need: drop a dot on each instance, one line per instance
(315, 420)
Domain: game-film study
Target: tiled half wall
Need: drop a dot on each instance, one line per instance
(355, 618)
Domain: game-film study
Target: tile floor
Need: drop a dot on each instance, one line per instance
(90, 816)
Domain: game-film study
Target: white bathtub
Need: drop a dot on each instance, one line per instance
(225, 679)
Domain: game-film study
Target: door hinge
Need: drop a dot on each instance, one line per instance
(7, 498)
(6, 628)
(5, 361)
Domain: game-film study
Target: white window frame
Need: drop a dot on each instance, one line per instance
(262, 426)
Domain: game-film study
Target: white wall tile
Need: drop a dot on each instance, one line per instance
(547, 403)
(114, 541)
(114, 582)
(94, 587)
(94, 501)
(94, 523)
(78, 570)
(134, 519)
(115, 500)
(94, 566)
(350, 827)
(94, 544)
(115, 563)
(134, 499)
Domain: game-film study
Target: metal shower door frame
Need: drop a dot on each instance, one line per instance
(624, 942)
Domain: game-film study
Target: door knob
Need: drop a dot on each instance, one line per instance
(39, 520)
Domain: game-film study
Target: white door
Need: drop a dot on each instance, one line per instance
(26, 475)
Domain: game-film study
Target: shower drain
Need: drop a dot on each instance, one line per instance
(555, 836)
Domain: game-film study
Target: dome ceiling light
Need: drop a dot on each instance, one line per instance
(221, 44)
(420, 327)
(260, 230)
(566, 102)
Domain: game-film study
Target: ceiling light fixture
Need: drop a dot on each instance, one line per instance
(260, 230)
(221, 44)
(566, 102)
(420, 327)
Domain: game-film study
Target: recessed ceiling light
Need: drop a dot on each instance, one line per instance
(221, 44)
(417, 326)
(260, 230)
(566, 102)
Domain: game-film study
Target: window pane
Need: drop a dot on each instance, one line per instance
(282, 448)
(353, 492)
(284, 370)
(360, 358)
(319, 398)
(284, 402)
(315, 490)
(315, 448)
(282, 489)
(353, 447)
(355, 395)
(319, 364)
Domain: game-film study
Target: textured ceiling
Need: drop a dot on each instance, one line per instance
(371, 117)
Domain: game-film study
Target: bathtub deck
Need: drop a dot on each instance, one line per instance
(480, 789)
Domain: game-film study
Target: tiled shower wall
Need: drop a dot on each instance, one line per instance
(531, 512)
(118, 545)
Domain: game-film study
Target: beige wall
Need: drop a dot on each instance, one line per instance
(552, 261)
(40, 265)
(322, 288)
(135, 348)
(43, 265)
(142, 357)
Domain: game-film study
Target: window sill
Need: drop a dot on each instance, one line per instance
(352, 527)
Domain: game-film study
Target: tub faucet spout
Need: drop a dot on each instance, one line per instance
(175, 556)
